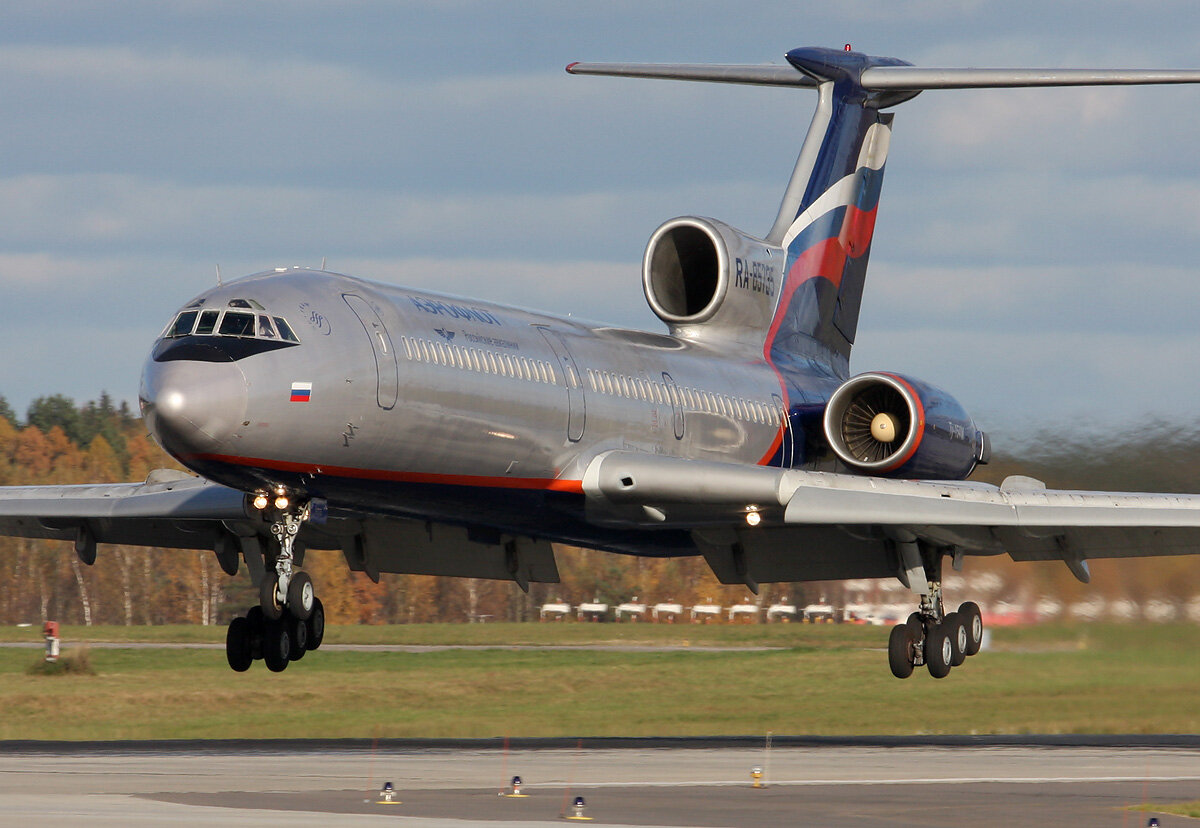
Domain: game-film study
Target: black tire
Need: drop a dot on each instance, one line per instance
(316, 625)
(276, 646)
(237, 645)
(900, 651)
(297, 637)
(937, 652)
(300, 595)
(956, 630)
(256, 624)
(973, 620)
(916, 625)
(268, 597)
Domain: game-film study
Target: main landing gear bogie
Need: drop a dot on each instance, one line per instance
(938, 645)
(277, 641)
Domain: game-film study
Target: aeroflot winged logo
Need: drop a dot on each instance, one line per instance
(301, 391)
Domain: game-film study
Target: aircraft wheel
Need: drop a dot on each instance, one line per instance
(237, 645)
(938, 651)
(973, 620)
(900, 651)
(316, 625)
(916, 625)
(300, 595)
(276, 646)
(297, 637)
(256, 624)
(956, 631)
(268, 596)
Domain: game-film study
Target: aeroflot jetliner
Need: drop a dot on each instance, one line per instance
(420, 433)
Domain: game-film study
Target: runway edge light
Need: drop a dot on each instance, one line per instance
(387, 795)
(577, 808)
(516, 789)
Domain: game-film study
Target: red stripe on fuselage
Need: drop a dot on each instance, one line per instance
(478, 481)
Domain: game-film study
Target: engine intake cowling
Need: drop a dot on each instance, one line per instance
(887, 424)
(707, 280)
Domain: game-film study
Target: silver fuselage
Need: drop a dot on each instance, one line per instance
(407, 403)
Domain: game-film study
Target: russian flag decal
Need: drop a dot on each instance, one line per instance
(301, 391)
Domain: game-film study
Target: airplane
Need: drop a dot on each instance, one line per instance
(428, 434)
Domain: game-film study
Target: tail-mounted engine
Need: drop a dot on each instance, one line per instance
(708, 281)
(891, 425)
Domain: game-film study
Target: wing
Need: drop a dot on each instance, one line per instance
(817, 525)
(177, 511)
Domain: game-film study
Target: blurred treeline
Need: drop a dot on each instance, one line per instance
(61, 442)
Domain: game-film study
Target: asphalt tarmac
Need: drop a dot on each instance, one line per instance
(1053, 781)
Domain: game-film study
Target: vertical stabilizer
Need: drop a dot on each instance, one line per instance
(827, 217)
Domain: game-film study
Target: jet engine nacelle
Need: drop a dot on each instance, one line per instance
(710, 282)
(887, 424)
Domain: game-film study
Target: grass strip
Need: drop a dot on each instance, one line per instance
(1102, 679)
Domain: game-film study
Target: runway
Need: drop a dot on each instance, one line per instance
(906, 784)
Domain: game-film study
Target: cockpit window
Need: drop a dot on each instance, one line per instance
(237, 324)
(207, 323)
(285, 330)
(183, 324)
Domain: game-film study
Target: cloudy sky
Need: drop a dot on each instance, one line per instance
(1035, 252)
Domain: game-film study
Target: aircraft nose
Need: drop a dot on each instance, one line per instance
(192, 407)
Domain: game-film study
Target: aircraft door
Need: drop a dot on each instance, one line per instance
(676, 404)
(386, 369)
(576, 402)
(787, 448)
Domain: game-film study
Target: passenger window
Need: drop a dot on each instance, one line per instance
(237, 324)
(285, 330)
(207, 323)
(183, 324)
(265, 329)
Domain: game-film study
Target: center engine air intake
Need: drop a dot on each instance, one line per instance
(707, 280)
(892, 425)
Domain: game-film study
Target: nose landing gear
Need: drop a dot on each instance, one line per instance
(289, 619)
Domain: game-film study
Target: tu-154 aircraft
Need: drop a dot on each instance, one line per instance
(420, 433)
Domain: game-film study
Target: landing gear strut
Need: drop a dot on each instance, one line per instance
(932, 637)
(289, 619)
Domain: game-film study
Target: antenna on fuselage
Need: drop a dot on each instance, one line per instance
(322, 263)
(218, 276)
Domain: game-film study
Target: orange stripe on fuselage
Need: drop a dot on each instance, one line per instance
(478, 481)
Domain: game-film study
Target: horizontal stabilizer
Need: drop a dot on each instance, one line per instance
(916, 78)
(712, 73)
(893, 78)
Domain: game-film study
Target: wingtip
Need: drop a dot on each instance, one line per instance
(571, 67)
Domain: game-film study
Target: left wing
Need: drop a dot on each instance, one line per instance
(174, 510)
(807, 525)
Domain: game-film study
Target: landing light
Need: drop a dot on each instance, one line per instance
(260, 502)
(281, 502)
(753, 518)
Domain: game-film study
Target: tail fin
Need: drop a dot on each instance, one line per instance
(827, 217)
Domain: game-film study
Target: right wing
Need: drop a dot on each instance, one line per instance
(820, 525)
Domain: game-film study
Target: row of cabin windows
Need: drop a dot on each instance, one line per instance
(636, 388)
(230, 323)
(475, 359)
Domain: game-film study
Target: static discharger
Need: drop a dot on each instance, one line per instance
(516, 789)
(577, 809)
(387, 795)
